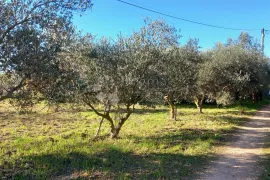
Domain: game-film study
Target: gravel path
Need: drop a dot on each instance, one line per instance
(240, 160)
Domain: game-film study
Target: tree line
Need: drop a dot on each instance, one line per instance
(43, 57)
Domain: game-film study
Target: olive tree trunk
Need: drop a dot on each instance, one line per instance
(199, 102)
(115, 129)
(172, 107)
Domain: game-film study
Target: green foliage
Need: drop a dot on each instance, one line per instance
(225, 99)
(233, 69)
(31, 34)
(25, 99)
(180, 68)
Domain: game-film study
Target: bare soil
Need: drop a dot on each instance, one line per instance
(241, 158)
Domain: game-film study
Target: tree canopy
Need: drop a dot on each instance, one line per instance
(42, 54)
(32, 32)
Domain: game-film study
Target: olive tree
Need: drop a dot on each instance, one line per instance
(234, 69)
(31, 34)
(180, 67)
(116, 73)
(26, 64)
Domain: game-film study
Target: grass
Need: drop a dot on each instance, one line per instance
(60, 145)
(266, 161)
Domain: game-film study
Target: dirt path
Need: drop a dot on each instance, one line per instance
(240, 159)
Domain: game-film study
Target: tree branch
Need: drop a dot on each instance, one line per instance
(123, 119)
(106, 115)
(11, 28)
(11, 91)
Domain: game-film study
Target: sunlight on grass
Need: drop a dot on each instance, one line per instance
(151, 146)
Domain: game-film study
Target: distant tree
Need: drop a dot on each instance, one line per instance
(247, 42)
(237, 68)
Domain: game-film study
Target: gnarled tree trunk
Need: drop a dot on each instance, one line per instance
(199, 102)
(115, 130)
(172, 107)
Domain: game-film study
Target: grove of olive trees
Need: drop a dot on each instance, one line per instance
(41, 53)
(119, 74)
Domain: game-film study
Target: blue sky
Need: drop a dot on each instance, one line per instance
(109, 17)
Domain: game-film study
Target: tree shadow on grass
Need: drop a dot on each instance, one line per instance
(241, 112)
(183, 137)
(114, 163)
(110, 164)
(152, 110)
(233, 120)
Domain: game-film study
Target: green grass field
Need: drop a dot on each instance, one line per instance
(47, 145)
